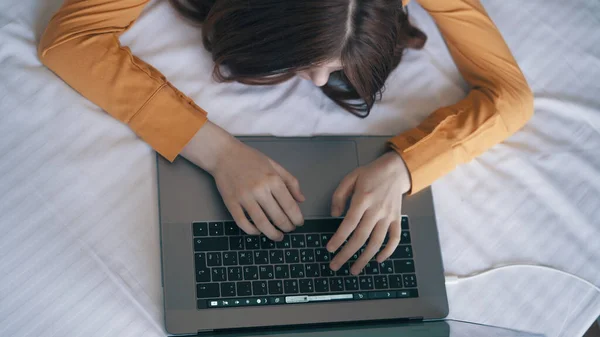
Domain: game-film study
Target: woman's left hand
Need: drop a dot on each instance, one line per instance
(375, 210)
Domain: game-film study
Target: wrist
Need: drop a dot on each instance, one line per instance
(400, 168)
(208, 146)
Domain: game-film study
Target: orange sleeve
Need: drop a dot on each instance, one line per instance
(500, 101)
(81, 45)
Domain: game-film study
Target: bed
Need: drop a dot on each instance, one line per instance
(79, 244)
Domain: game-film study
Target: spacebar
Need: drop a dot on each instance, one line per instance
(317, 298)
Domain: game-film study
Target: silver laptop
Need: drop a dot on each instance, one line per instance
(217, 279)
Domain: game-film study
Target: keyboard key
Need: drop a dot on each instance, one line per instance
(376, 295)
(207, 290)
(386, 267)
(250, 273)
(290, 286)
(231, 228)
(245, 258)
(228, 289)
(318, 226)
(211, 244)
(404, 266)
(336, 284)
(306, 286)
(230, 258)
(285, 243)
(404, 222)
(266, 272)
(215, 228)
(213, 259)
(381, 282)
(200, 229)
(252, 242)
(313, 241)
(361, 296)
(407, 293)
(344, 270)
(326, 271)
(202, 271)
(276, 287)
(219, 274)
(325, 238)
(312, 270)
(298, 241)
(292, 256)
(234, 274)
(276, 300)
(266, 243)
(354, 257)
(410, 280)
(403, 252)
(405, 237)
(297, 271)
(261, 257)
(395, 281)
(372, 268)
(282, 271)
(322, 285)
(307, 255)
(276, 256)
(236, 242)
(366, 282)
(351, 283)
(259, 288)
(322, 255)
(244, 288)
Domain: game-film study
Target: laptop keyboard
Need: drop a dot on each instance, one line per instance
(234, 269)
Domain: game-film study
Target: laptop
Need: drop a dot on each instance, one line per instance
(217, 279)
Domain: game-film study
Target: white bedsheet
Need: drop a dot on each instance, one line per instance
(79, 250)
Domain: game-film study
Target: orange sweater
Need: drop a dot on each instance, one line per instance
(81, 45)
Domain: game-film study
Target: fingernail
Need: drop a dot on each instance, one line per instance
(333, 267)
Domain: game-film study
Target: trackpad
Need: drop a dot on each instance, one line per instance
(318, 165)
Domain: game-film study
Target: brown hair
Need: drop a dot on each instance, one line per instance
(267, 41)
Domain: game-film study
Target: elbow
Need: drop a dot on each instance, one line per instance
(519, 108)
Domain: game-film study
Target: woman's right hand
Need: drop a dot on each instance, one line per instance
(249, 182)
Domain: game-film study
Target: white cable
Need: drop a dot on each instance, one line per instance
(450, 279)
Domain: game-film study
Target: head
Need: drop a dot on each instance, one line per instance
(346, 47)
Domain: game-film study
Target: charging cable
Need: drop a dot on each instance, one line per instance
(451, 279)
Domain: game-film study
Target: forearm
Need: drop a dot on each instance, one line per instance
(499, 104)
(81, 46)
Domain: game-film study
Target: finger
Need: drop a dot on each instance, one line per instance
(375, 242)
(261, 222)
(275, 213)
(288, 204)
(393, 241)
(342, 193)
(358, 239)
(353, 217)
(240, 219)
(290, 181)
